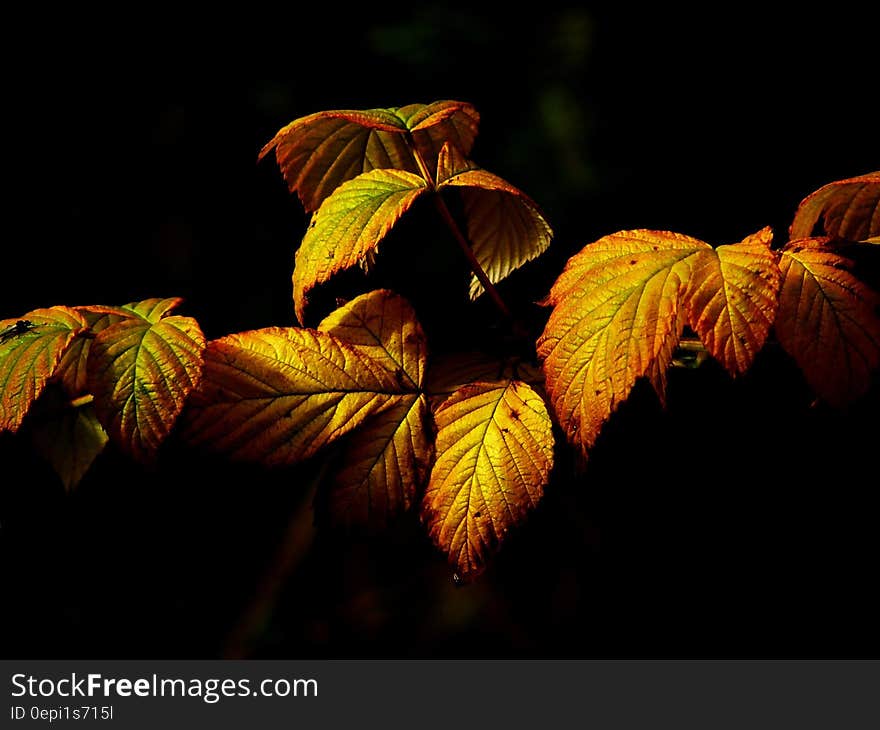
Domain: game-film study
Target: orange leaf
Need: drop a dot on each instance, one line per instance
(141, 373)
(349, 225)
(732, 300)
(31, 349)
(619, 308)
(849, 209)
(828, 321)
(278, 395)
(72, 371)
(386, 459)
(494, 455)
(505, 227)
(319, 152)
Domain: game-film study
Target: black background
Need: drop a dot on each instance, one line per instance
(740, 521)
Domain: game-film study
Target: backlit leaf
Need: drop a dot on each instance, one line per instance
(278, 395)
(141, 374)
(349, 225)
(494, 455)
(319, 152)
(849, 209)
(385, 461)
(31, 348)
(621, 303)
(72, 371)
(733, 298)
(155, 309)
(504, 226)
(384, 325)
(827, 321)
(70, 438)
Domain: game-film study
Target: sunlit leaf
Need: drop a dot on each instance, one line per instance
(278, 395)
(384, 325)
(319, 152)
(849, 209)
(349, 225)
(72, 371)
(385, 461)
(31, 348)
(621, 303)
(382, 465)
(494, 455)
(732, 300)
(504, 226)
(154, 309)
(69, 437)
(828, 321)
(141, 373)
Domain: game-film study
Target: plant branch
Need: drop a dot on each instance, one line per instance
(460, 238)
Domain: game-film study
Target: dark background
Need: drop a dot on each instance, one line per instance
(741, 521)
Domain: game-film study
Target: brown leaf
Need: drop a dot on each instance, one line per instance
(849, 209)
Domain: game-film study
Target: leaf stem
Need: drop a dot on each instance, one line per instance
(83, 400)
(460, 238)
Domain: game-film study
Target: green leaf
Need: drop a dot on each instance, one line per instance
(31, 349)
(349, 225)
(70, 438)
(141, 374)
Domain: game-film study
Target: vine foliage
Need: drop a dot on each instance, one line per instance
(465, 439)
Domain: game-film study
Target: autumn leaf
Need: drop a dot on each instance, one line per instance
(319, 152)
(154, 309)
(620, 306)
(385, 460)
(828, 320)
(504, 226)
(733, 298)
(849, 209)
(72, 371)
(31, 348)
(68, 436)
(349, 226)
(278, 395)
(141, 373)
(494, 456)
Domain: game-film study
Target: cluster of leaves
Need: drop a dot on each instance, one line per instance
(468, 439)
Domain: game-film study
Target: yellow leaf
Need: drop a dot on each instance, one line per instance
(621, 303)
(278, 395)
(732, 300)
(849, 209)
(382, 465)
(494, 455)
(154, 309)
(31, 349)
(349, 225)
(141, 374)
(384, 325)
(504, 226)
(319, 152)
(384, 462)
(828, 321)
